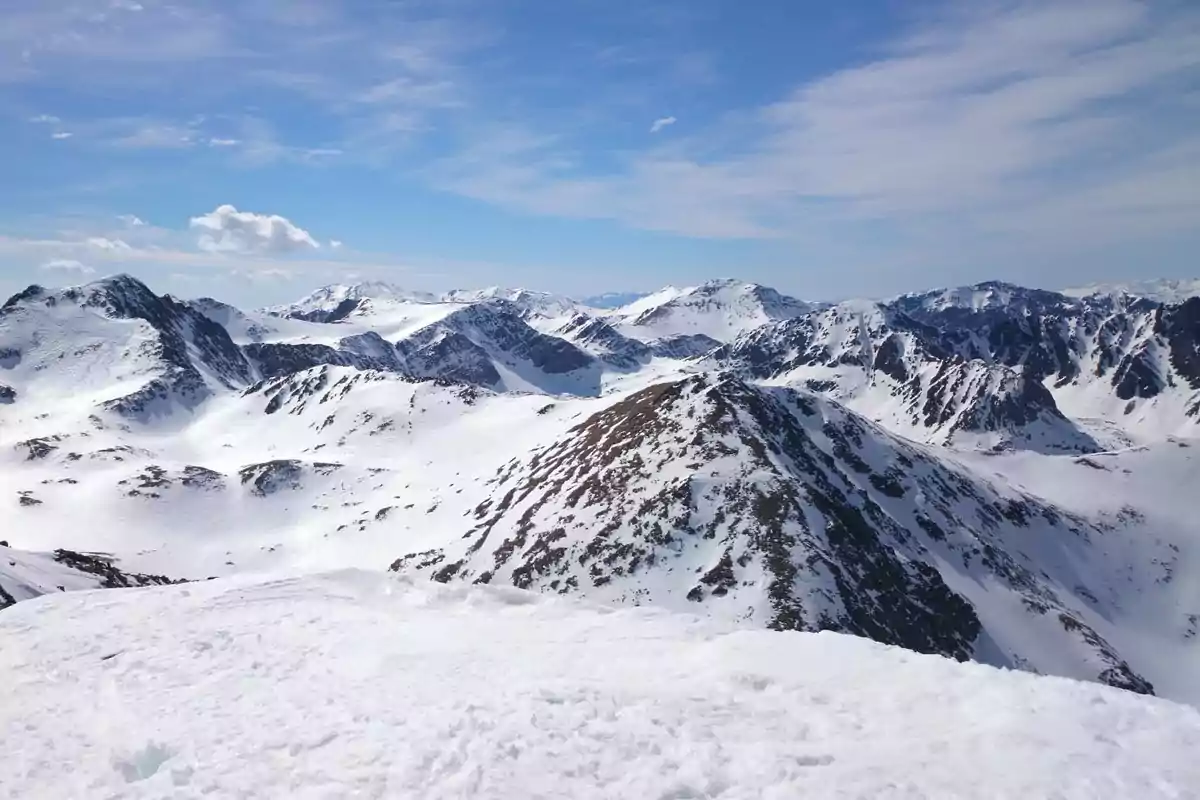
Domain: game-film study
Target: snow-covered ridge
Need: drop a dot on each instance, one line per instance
(719, 309)
(1163, 290)
(352, 682)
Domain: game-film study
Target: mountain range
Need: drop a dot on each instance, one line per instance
(989, 473)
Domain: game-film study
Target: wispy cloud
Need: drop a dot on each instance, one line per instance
(106, 243)
(66, 265)
(1055, 121)
(378, 70)
(996, 116)
(156, 137)
(662, 122)
(60, 135)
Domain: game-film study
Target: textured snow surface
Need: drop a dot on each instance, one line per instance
(353, 684)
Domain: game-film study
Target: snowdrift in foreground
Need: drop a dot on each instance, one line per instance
(354, 684)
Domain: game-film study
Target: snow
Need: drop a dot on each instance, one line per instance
(356, 684)
(1165, 291)
(24, 576)
(406, 465)
(1150, 487)
(720, 309)
(328, 297)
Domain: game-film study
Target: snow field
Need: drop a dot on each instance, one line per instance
(357, 684)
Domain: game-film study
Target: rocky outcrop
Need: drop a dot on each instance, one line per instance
(772, 506)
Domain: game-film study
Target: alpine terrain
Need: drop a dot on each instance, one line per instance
(620, 522)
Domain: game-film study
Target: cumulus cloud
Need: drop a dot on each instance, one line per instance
(662, 122)
(227, 230)
(132, 221)
(67, 266)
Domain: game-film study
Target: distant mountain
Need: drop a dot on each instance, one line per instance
(490, 344)
(898, 371)
(118, 344)
(531, 304)
(1124, 360)
(336, 302)
(612, 300)
(1163, 291)
(719, 310)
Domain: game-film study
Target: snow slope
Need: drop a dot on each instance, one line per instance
(24, 576)
(719, 309)
(781, 509)
(353, 684)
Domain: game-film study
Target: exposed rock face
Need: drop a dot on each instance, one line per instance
(103, 568)
(602, 339)
(273, 360)
(471, 345)
(336, 314)
(272, 477)
(772, 502)
(1140, 346)
(188, 350)
(26, 575)
(1003, 343)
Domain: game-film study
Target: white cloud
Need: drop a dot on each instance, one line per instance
(227, 230)
(219, 142)
(335, 244)
(662, 122)
(993, 118)
(45, 119)
(68, 265)
(264, 275)
(132, 221)
(106, 243)
(61, 135)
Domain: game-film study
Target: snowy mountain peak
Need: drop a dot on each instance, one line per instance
(988, 295)
(531, 303)
(336, 302)
(720, 309)
(780, 507)
(118, 295)
(374, 290)
(1162, 290)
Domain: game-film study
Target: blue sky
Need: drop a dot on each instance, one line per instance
(254, 149)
